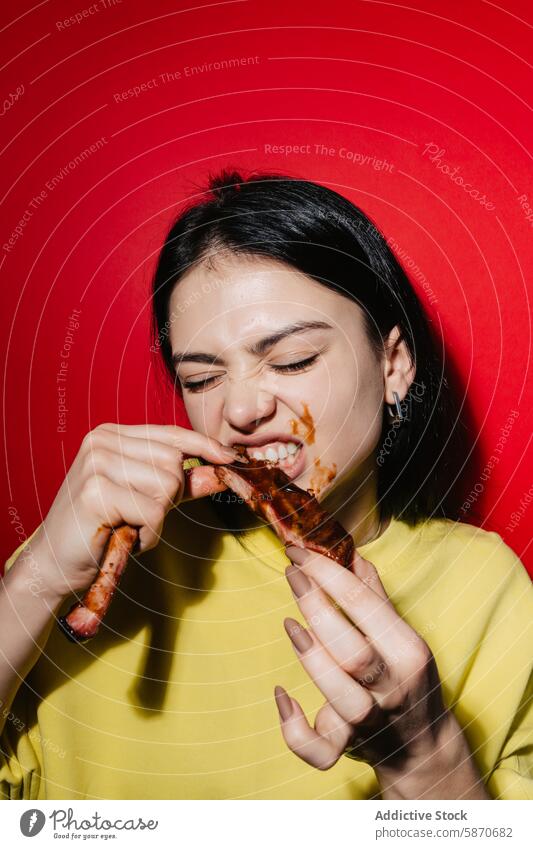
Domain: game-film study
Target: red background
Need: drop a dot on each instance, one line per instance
(379, 79)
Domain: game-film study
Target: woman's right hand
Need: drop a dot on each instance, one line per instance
(122, 474)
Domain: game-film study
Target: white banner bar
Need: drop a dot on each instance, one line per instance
(268, 824)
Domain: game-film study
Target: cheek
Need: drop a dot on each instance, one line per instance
(345, 403)
(202, 413)
(308, 397)
(352, 415)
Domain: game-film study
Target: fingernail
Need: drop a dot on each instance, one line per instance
(294, 552)
(300, 638)
(299, 583)
(229, 452)
(283, 702)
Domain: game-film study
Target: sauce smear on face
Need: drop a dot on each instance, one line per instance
(304, 426)
(321, 476)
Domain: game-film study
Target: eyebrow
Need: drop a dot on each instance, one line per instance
(257, 348)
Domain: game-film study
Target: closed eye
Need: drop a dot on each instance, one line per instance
(299, 366)
(198, 385)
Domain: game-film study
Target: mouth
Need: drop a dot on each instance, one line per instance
(285, 455)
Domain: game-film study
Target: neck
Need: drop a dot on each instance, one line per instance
(353, 503)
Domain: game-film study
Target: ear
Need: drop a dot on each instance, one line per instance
(398, 370)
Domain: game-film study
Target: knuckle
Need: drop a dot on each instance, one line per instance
(156, 514)
(421, 653)
(94, 461)
(86, 441)
(295, 740)
(165, 484)
(175, 484)
(170, 458)
(169, 481)
(374, 674)
(419, 658)
(149, 539)
(360, 662)
(323, 766)
(167, 490)
(393, 699)
(93, 489)
(91, 441)
(363, 709)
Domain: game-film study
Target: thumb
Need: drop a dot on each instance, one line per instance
(201, 481)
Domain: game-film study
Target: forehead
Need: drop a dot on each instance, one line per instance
(237, 299)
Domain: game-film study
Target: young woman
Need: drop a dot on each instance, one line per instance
(287, 326)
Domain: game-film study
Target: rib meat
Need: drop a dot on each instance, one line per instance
(295, 515)
(84, 618)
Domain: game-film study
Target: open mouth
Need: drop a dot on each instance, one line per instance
(288, 456)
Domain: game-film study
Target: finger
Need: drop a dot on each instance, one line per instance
(301, 739)
(367, 572)
(343, 640)
(373, 615)
(151, 480)
(201, 481)
(351, 701)
(145, 450)
(333, 727)
(189, 441)
(115, 505)
(198, 482)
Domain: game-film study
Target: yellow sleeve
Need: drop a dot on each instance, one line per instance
(501, 675)
(485, 652)
(10, 560)
(20, 767)
(512, 777)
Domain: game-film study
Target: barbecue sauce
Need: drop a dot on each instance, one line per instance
(306, 422)
(321, 476)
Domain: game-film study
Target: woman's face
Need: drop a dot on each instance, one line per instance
(271, 359)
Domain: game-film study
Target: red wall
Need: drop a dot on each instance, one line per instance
(380, 80)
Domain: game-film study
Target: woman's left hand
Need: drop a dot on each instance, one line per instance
(384, 703)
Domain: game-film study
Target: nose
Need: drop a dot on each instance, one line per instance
(247, 404)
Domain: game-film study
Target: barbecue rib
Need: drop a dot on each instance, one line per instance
(84, 618)
(294, 514)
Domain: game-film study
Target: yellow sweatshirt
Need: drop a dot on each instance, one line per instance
(173, 699)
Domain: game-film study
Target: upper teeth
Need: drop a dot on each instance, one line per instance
(274, 452)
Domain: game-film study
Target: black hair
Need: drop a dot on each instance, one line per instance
(321, 233)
